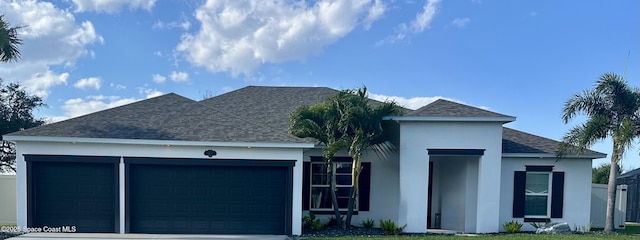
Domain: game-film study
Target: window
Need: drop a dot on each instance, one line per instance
(320, 185)
(537, 195)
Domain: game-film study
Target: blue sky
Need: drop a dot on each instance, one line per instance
(521, 58)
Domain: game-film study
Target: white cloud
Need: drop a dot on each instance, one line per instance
(112, 6)
(52, 38)
(179, 76)
(411, 103)
(78, 106)
(419, 24)
(158, 78)
(184, 25)
(118, 86)
(461, 22)
(149, 93)
(239, 36)
(91, 82)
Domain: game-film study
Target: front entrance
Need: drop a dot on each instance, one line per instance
(453, 192)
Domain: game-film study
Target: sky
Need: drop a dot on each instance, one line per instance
(519, 58)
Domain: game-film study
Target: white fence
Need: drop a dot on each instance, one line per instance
(7, 200)
(599, 206)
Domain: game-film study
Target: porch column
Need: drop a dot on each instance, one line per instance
(488, 205)
(121, 195)
(414, 182)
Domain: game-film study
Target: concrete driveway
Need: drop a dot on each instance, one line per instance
(95, 236)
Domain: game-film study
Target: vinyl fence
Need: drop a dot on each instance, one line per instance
(599, 206)
(7, 200)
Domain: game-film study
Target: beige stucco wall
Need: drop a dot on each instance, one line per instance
(7, 199)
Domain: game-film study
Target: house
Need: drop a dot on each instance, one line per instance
(228, 164)
(632, 180)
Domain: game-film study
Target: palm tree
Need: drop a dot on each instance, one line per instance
(321, 122)
(9, 41)
(363, 127)
(612, 109)
(348, 121)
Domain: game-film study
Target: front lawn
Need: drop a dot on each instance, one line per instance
(485, 237)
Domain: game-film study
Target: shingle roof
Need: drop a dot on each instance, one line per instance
(250, 114)
(444, 108)
(514, 141)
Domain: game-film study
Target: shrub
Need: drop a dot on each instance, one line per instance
(389, 227)
(368, 223)
(512, 226)
(307, 221)
(317, 225)
(333, 221)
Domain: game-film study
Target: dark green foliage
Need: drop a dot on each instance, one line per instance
(307, 221)
(16, 113)
(600, 174)
(389, 227)
(317, 225)
(333, 221)
(368, 223)
(512, 226)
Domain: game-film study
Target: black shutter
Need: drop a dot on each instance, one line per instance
(557, 194)
(306, 185)
(365, 187)
(519, 184)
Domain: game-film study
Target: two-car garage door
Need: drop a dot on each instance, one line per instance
(162, 195)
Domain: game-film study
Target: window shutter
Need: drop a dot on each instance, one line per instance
(557, 194)
(519, 184)
(306, 185)
(365, 187)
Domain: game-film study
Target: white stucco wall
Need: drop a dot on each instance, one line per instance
(160, 151)
(577, 189)
(417, 137)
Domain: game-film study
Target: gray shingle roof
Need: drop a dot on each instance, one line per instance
(250, 114)
(444, 108)
(514, 141)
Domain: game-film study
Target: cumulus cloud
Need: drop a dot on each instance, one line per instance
(179, 76)
(52, 38)
(112, 6)
(461, 22)
(81, 106)
(158, 78)
(419, 24)
(149, 93)
(239, 36)
(91, 82)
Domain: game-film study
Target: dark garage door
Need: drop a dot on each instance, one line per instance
(73, 191)
(203, 198)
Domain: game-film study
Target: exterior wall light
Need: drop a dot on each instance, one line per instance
(210, 153)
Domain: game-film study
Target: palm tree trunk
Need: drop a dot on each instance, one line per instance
(611, 192)
(354, 193)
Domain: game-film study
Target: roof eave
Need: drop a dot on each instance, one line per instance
(15, 138)
(551, 155)
(505, 119)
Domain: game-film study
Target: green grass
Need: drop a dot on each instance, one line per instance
(630, 228)
(487, 237)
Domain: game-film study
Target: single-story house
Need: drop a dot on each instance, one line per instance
(228, 164)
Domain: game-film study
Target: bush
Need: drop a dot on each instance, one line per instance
(317, 225)
(390, 228)
(512, 226)
(369, 223)
(333, 221)
(307, 221)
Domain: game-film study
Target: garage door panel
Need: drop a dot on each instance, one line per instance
(72, 191)
(207, 199)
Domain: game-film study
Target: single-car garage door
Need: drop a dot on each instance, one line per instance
(208, 196)
(77, 192)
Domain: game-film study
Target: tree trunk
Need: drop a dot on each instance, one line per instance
(611, 193)
(334, 198)
(355, 171)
